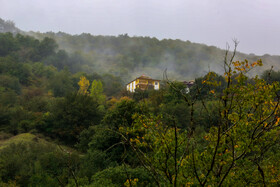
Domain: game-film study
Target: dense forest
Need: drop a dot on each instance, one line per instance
(67, 120)
(131, 56)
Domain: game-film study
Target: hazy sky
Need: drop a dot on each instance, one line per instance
(255, 23)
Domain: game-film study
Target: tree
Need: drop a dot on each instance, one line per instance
(271, 76)
(59, 60)
(10, 82)
(8, 44)
(71, 115)
(156, 146)
(112, 84)
(47, 47)
(104, 138)
(96, 92)
(61, 83)
(237, 146)
(20, 70)
(84, 85)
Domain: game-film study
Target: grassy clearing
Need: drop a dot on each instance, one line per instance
(24, 137)
(8, 139)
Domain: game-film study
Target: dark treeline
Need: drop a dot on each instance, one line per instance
(129, 57)
(61, 126)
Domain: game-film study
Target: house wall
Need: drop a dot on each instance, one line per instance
(134, 85)
(142, 83)
(156, 85)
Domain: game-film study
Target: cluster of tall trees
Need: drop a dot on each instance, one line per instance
(63, 127)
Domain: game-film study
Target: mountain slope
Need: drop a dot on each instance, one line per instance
(129, 57)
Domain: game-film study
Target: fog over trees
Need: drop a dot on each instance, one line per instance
(66, 118)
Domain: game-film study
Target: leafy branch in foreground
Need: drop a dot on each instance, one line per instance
(238, 148)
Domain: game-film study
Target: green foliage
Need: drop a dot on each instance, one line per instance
(176, 111)
(29, 161)
(104, 138)
(121, 113)
(207, 114)
(19, 70)
(61, 84)
(173, 106)
(105, 141)
(9, 82)
(20, 120)
(139, 94)
(236, 151)
(71, 115)
(96, 92)
(112, 84)
(211, 82)
(47, 47)
(95, 161)
(224, 132)
(40, 70)
(117, 176)
(157, 147)
(271, 76)
(4, 117)
(128, 57)
(34, 99)
(7, 44)
(8, 97)
(85, 138)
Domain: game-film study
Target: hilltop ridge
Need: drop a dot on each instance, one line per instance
(8, 26)
(131, 56)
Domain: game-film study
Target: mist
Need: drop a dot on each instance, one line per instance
(254, 23)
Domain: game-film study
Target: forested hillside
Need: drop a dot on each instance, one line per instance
(67, 120)
(129, 57)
